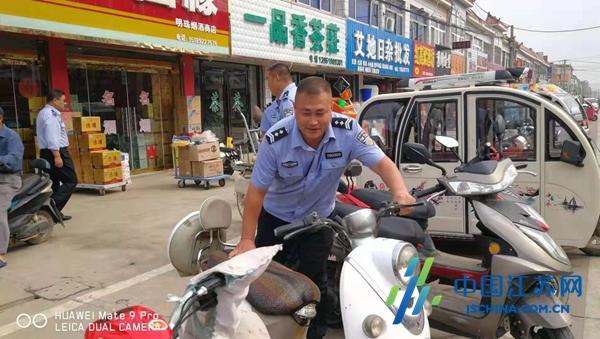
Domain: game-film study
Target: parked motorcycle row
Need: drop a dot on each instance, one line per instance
(375, 252)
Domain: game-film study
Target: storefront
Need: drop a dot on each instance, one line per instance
(311, 41)
(127, 62)
(381, 57)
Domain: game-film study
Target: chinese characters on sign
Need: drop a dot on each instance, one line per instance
(424, 63)
(278, 33)
(443, 60)
(204, 7)
(373, 51)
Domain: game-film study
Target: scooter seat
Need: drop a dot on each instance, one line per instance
(341, 209)
(377, 199)
(401, 229)
(29, 182)
(279, 290)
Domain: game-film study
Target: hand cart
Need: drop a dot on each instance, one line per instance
(201, 181)
(103, 188)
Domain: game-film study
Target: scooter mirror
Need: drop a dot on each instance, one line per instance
(447, 142)
(417, 153)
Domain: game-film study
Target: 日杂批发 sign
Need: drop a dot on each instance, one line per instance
(373, 51)
(267, 30)
(192, 26)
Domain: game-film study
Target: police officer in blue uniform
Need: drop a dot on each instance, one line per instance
(53, 144)
(297, 171)
(279, 80)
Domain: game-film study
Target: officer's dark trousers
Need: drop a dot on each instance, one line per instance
(64, 179)
(311, 250)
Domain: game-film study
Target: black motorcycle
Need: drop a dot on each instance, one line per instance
(32, 213)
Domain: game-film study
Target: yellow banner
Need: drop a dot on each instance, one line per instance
(141, 24)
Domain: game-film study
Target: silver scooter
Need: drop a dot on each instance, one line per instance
(516, 244)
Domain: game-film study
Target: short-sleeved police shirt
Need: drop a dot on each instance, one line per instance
(301, 179)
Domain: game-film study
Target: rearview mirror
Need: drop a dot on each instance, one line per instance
(417, 153)
(447, 142)
(572, 153)
(353, 170)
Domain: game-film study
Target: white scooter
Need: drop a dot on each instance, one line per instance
(283, 299)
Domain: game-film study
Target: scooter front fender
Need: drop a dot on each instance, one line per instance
(358, 300)
(545, 311)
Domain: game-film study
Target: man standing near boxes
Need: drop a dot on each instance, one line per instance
(11, 158)
(53, 142)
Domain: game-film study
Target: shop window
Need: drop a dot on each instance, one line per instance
(418, 27)
(324, 5)
(22, 91)
(517, 142)
(556, 134)
(380, 121)
(431, 119)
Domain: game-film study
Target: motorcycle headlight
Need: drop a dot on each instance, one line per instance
(401, 260)
(545, 241)
(304, 315)
(373, 326)
(475, 188)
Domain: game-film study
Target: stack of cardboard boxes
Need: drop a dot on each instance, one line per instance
(200, 160)
(94, 164)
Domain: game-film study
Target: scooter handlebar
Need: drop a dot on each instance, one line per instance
(428, 191)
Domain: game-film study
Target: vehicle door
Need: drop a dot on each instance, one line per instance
(431, 116)
(571, 195)
(519, 140)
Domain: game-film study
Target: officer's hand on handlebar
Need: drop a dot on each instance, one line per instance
(405, 198)
(244, 245)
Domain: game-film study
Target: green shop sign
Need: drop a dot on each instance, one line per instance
(320, 40)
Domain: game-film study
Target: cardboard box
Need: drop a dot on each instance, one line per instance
(92, 141)
(208, 168)
(87, 124)
(111, 175)
(29, 151)
(203, 152)
(73, 142)
(26, 134)
(185, 167)
(106, 159)
(36, 103)
(87, 174)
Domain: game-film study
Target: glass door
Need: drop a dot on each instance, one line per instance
(129, 104)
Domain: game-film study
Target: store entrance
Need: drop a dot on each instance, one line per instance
(135, 107)
(225, 97)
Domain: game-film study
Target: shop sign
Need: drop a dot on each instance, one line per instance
(478, 61)
(424, 60)
(189, 26)
(461, 44)
(374, 51)
(443, 60)
(458, 64)
(268, 29)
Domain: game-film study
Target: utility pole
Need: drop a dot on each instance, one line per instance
(513, 54)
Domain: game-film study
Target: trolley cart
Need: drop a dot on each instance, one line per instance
(201, 180)
(102, 188)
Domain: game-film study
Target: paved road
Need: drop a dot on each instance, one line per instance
(113, 254)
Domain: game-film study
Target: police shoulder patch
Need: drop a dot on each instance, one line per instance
(364, 138)
(277, 134)
(285, 95)
(342, 123)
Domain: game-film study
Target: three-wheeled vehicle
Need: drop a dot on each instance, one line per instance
(562, 178)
